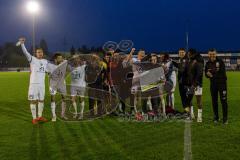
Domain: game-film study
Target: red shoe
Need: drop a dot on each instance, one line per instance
(139, 116)
(34, 121)
(42, 119)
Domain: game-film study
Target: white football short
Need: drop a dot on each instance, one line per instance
(198, 91)
(78, 91)
(36, 92)
(61, 90)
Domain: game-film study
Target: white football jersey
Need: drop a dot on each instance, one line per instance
(37, 67)
(170, 69)
(78, 76)
(171, 74)
(38, 70)
(57, 73)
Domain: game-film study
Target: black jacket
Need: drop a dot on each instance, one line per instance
(196, 67)
(182, 69)
(217, 68)
(96, 75)
(190, 70)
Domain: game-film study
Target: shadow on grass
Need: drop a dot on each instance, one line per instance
(38, 144)
(104, 137)
(44, 145)
(62, 143)
(93, 142)
(33, 146)
(12, 113)
(84, 149)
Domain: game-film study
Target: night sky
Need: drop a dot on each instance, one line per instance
(155, 25)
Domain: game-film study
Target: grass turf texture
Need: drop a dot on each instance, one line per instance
(108, 138)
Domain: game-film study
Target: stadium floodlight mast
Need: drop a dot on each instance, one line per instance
(33, 8)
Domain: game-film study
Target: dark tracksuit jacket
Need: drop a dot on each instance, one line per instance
(195, 71)
(194, 77)
(182, 74)
(218, 85)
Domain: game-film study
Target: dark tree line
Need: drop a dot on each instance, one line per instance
(84, 49)
(12, 56)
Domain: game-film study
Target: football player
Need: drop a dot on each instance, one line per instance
(170, 73)
(36, 92)
(198, 63)
(57, 71)
(78, 84)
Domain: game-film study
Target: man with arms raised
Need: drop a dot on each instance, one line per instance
(36, 92)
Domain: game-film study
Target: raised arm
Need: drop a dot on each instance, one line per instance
(25, 52)
(128, 60)
(146, 58)
(129, 57)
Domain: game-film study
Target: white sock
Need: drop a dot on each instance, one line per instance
(53, 108)
(169, 100)
(75, 108)
(40, 109)
(120, 107)
(33, 110)
(192, 111)
(163, 106)
(172, 100)
(82, 107)
(63, 109)
(199, 113)
(135, 104)
(149, 104)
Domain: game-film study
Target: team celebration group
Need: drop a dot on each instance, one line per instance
(187, 71)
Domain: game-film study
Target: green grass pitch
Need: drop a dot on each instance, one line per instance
(108, 138)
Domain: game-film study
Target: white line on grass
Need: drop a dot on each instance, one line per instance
(187, 141)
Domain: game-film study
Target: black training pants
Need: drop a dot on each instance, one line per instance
(221, 89)
(183, 94)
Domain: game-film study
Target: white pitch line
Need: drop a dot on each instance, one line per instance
(187, 141)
